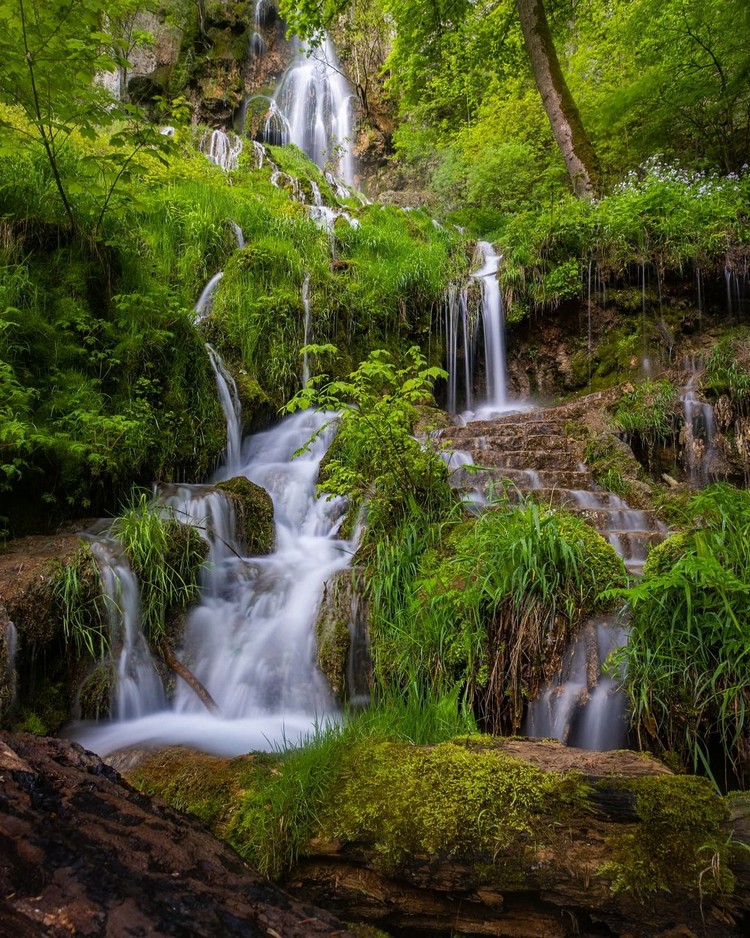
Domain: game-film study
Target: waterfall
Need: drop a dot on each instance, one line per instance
(222, 149)
(698, 435)
(312, 109)
(238, 233)
(493, 323)
(306, 303)
(251, 640)
(139, 689)
(230, 403)
(206, 299)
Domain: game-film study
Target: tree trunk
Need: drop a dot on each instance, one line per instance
(571, 137)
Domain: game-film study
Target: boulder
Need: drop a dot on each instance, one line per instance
(83, 853)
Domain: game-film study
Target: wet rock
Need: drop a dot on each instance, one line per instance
(254, 510)
(82, 853)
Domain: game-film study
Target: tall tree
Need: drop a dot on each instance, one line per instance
(567, 126)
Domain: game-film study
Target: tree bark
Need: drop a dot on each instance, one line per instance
(570, 134)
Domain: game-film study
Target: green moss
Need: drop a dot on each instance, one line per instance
(677, 841)
(616, 469)
(254, 510)
(332, 631)
(95, 694)
(401, 801)
(663, 557)
(203, 785)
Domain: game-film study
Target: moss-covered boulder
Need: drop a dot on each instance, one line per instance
(471, 834)
(254, 510)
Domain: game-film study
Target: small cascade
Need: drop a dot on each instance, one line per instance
(458, 328)
(222, 148)
(584, 708)
(230, 404)
(138, 690)
(238, 233)
(312, 109)
(206, 299)
(306, 341)
(698, 436)
(493, 324)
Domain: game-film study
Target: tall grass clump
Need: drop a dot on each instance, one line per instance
(484, 606)
(166, 556)
(688, 658)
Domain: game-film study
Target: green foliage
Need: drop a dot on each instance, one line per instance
(166, 556)
(647, 411)
(77, 591)
(727, 373)
(688, 657)
(375, 458)
(483, 606)
(50, 55)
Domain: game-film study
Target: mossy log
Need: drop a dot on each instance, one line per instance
(588, 844)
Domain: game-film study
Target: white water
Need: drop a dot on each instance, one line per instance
(230, 403)
(251, 639)
(206, 299)
(493, 323)
(139, 690)
(584, 708)
(699, 432)
(222, 148)
(312, 109)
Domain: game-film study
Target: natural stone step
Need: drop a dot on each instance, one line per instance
(621, 519)
(524, 458)
(524, 479)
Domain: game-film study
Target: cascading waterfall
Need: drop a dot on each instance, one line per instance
(222, 148)
(585, 707)
(139, 690)
(251, 640)
(312, 109)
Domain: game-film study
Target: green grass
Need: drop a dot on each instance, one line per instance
(688, 657)
(166, 556)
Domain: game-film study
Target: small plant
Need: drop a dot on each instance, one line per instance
(77, 591)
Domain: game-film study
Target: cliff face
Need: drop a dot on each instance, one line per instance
(82, 853)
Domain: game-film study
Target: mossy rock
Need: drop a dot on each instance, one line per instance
(254, 509)
(333, 633)
(664, 556)
(677, 839)
(95, 694)
(257, 409)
